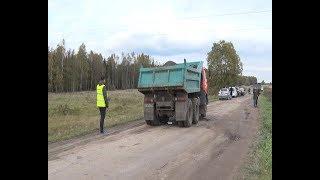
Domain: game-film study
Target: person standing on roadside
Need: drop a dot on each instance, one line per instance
(256, 93)
(231, 90)
(102, 102)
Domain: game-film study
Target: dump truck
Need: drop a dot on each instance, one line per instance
(174, 93)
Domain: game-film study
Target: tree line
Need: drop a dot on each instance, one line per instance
(70, 71)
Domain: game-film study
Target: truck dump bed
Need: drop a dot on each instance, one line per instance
(185, 76)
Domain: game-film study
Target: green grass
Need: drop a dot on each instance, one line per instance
(259, 165)
(212, 98)
(75, 114)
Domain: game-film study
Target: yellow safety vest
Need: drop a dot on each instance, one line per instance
(100, 99)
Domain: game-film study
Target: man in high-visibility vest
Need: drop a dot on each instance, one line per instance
(102, 102)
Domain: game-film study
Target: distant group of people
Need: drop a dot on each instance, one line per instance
(256, 90)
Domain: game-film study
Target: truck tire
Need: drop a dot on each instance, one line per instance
(155, 122)
(180, 123)
(196, 104)
(189, 116)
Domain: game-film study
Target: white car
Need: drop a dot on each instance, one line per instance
(242, 91)
(224, 93)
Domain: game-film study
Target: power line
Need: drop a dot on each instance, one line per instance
(124, 28)
(232, 29)
(88, 40)
(230, 14)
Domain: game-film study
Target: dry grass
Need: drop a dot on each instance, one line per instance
(74, 114)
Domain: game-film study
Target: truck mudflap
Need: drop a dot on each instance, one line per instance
(149, 112)
(181, 108)
(149, 107)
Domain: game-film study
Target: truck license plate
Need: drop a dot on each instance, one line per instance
(169, 122)
(148, 105)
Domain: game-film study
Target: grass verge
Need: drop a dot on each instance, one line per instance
(212, 98)
(259, 164)
(75, 114)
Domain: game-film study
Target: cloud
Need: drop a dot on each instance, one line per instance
(165, 29)
(258, 68)
(154, 44)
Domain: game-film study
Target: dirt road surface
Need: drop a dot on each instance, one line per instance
(213, 149)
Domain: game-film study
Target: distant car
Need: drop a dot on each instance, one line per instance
(224, 93)
(234, 92)
(238, 91)
(241, 91)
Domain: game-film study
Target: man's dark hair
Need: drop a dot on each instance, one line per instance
(102, 78)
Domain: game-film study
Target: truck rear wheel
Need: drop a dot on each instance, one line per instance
(195, 103)
(155, 121)
(189, 116)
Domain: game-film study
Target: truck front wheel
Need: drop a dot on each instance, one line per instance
(203, 111)
(195, 103)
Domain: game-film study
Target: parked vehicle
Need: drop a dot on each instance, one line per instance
(174, 93)
(234, 92)
(238, 90)
(224, 93)
(241, 91)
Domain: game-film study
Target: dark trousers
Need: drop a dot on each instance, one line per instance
(255, 101)
(102, 116)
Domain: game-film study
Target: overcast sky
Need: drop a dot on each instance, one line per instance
(167, 29)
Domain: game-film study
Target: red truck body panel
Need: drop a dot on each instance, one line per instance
(204, 82)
